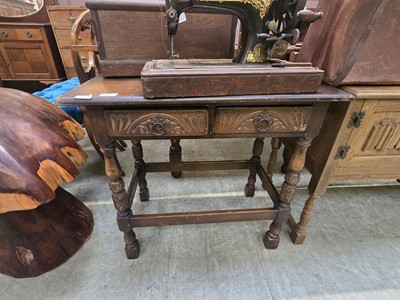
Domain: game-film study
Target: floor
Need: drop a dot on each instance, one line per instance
(352, 250)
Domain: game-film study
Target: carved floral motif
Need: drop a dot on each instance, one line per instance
(149, 124)
(247, 121)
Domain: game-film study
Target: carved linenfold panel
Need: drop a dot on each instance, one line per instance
(383, 137)
(151, 123)
(253, 120)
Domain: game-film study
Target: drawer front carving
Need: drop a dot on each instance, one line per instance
(259, 119)
(157, 123)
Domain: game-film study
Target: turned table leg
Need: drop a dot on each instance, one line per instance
(292, 177)
(298, 232)
(175, 155)
(119, 196)
(254, 161)
(141, 165)
(275, 145)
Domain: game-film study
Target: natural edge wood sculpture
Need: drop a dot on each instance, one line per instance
(38, 151)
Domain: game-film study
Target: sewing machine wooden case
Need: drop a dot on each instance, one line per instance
(219, 77)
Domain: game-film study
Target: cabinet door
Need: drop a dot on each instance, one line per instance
(26, 60)
(375, 145)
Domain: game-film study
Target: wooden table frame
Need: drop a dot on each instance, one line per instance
(129, 116)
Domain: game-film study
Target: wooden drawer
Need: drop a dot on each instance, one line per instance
(63, 37)
(64, 18)
(262, 119)
(67, 57)
(70, 72)
(20, 34)
(192, 122)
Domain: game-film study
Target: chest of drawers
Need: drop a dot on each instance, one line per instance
(62, 18)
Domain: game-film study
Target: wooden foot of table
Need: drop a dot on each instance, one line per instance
(296, 237)
(298, 231)
(270, 240)
(249, 190)
(132, 246)
(33, 242)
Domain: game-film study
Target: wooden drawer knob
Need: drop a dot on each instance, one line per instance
(263, 121)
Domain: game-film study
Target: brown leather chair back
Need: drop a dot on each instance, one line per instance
(356, 42)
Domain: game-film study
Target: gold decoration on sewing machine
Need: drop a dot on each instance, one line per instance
(261, 5)
(257, 55)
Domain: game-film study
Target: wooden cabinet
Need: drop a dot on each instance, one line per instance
(358, 141)
(28, 52)
(371, 141)
(16, 8)
(62, 18)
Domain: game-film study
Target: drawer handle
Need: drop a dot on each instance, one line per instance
(158, 125)
(29, 34)
(263, 121)
(4, 34)
(83, 58)
(71, 19)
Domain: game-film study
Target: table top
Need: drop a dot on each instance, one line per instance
(101, 91)
(379, 92)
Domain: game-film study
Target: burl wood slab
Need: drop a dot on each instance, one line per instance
(36, 241)
(38, 151)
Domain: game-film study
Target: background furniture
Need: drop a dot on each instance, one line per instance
(358, 140)
(29, 57)
(62, 19)
(16, 8)
(39, 152)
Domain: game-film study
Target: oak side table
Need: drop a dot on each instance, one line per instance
(117, 110)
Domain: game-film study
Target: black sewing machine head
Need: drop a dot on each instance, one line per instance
(268, 26)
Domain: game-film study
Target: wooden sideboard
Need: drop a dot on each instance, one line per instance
(28, 52)
(62, 18)
(29, 57)
(359, 140)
